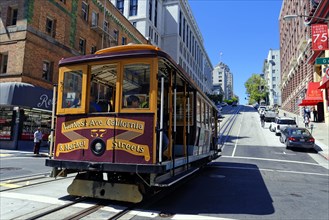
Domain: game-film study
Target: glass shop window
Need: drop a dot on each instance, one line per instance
(32, 119)
(6, 123)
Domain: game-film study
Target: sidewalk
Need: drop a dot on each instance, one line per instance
(320, 133)
(44, 152)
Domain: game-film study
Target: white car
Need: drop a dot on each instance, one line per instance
(281, 123)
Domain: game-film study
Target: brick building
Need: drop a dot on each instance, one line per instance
(298, 69)
(34, 36)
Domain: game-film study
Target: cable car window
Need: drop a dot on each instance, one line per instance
(207, 115)
(202, 112)
(136, 86)
(102, 89)
(198, 110)
(72, 88)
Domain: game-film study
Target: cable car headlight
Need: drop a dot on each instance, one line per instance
(98, 147)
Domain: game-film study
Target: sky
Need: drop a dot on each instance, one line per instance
(243, 31)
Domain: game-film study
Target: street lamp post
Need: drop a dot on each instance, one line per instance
(289, 17)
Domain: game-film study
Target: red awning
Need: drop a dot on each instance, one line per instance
(324, 83)
(313, 95)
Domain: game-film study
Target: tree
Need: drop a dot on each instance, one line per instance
(216, 98)
(256, 88)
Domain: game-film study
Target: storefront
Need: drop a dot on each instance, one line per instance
(324, 87)
(23, 108)
(314, 99)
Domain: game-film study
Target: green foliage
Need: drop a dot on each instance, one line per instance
(256, 88)
(215, 98)
(30, 11)
(73, 28)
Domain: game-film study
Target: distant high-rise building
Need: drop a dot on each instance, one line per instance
(170, 24)
(272, 76)
(223, 78)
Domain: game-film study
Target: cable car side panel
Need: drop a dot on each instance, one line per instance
(122, 138)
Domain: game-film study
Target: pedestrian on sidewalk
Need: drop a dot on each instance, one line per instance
(306, 121)
(37, 141)
(315, 115)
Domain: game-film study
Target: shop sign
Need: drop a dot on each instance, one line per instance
(322, 61)
(319, 37)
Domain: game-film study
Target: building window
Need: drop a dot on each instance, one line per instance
(12, 16)
(156, 38)
(187, 35)
(273, 79)
(82, 46)
(124, 40)
(84, 11)
(273, 57)
(134, 23)
(150, 10)
(184, 21)
(116, 35)
(50, 27)
(106, 26)
(93, 49)
(46, 70)
(94, 19)
(156, 14)
(120, 5)
(133, 7)
(273, 71)
(3, 62)
(180, 23)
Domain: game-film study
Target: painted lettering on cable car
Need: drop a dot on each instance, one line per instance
(99, 127)
(78, 144)
(104, 122)
(130, 147)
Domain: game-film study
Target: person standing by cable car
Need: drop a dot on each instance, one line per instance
(37, 141)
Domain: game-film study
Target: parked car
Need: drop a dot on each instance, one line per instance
(297, 137)
(270, 116)
(280, 123)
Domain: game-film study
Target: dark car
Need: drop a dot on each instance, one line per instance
(297, 137)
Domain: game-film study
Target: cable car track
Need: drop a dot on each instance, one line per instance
(225, 129)
(98, 204)
(28, 181)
